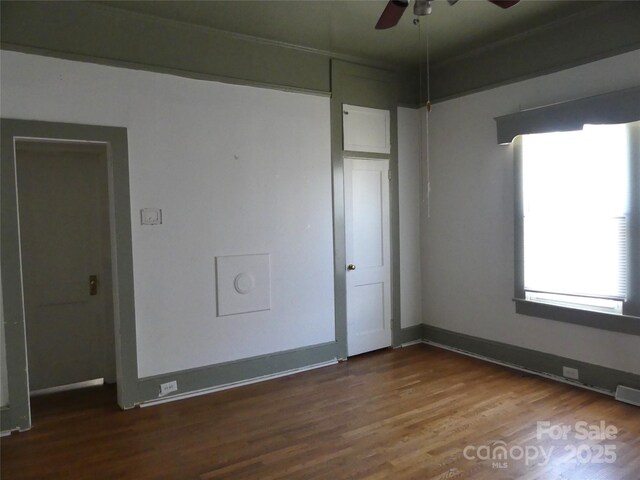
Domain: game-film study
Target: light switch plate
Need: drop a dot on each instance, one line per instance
(151, 216)
(243, 284)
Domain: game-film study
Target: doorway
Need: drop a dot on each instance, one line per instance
(366, 88)
(16, 413)
(368, 253)
(65, 247)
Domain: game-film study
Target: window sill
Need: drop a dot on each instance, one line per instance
(604, 321)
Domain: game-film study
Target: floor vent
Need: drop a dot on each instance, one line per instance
(628, 395)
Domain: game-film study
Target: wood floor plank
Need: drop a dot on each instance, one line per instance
(402, 414)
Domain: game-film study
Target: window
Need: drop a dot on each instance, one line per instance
(576, 214)
(577, 218)
(577, 209)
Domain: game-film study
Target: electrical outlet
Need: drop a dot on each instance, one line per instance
(167, 388)
(571, 373)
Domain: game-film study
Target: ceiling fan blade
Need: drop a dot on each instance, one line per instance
(504, 3)
(391, 14)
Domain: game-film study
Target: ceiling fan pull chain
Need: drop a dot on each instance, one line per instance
(425, 183)
(428, 122)
(428, 75)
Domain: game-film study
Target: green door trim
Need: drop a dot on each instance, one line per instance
(17, 415)
(365, 86)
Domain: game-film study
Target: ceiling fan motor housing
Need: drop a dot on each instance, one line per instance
(395, 8)
(422, 7)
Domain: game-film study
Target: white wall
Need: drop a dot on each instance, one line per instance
(410, 204)
(468, 240)
(236, 170)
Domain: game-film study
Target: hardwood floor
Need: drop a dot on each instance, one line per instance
(394, 414)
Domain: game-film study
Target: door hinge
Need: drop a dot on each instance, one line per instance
(389, 175)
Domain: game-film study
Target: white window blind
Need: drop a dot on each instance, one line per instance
(575, 206)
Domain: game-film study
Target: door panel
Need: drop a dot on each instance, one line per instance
(368, 249)
(368, 311)
(63, 209)
(367, 218)
(366, 129)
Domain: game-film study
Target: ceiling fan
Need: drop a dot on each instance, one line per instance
(395, 8)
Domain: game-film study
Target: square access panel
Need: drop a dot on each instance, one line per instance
(150, 216)
(243, 283)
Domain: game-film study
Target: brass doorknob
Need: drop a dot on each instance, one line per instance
(351, 266)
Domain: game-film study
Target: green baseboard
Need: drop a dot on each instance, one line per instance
(591, 375)
(7, 422)
(411, 334)
(221, 374)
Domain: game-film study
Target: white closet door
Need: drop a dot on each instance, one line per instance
(368, 255)
(366, 129)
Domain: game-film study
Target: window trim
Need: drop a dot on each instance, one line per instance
(588, 318)
(627, 322)
(616, 107)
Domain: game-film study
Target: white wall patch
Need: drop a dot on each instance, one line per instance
(243, 284)
(151, 216)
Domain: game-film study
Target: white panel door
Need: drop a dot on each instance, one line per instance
(366, 129)
(64, 237)
(368, 255)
